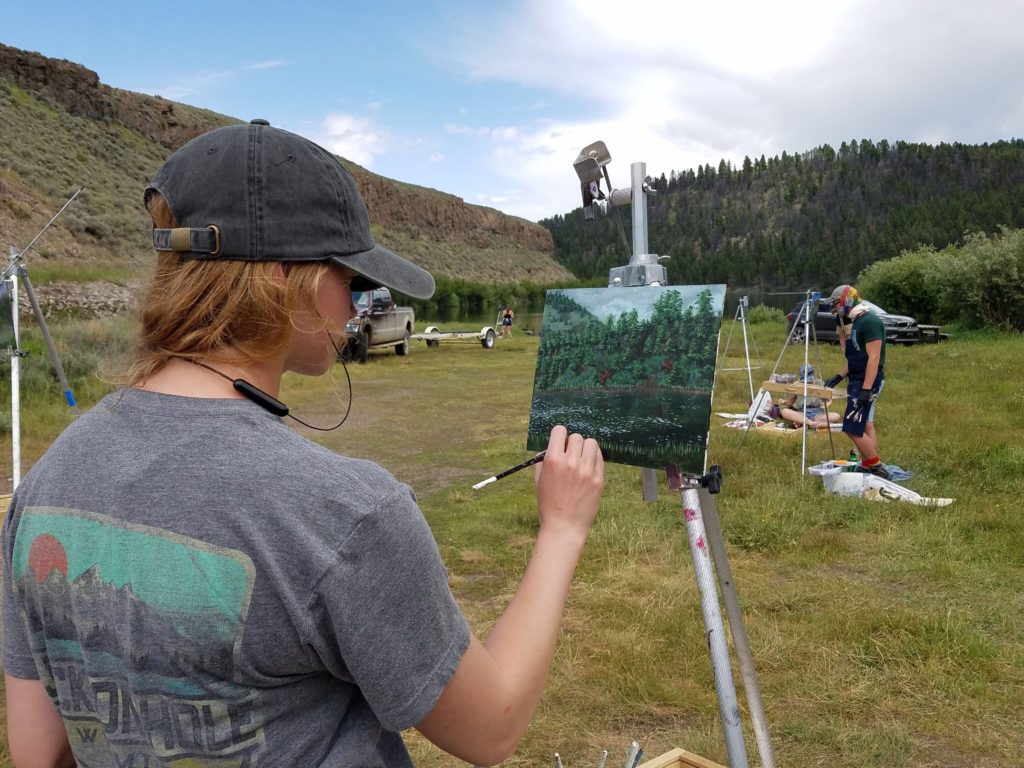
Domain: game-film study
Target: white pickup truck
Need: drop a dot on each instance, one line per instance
(379, 323)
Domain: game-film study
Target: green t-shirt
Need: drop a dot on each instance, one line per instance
(867, 327)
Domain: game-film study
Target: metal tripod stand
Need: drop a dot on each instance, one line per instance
(803, 330)
(16, 270)
(741, 316)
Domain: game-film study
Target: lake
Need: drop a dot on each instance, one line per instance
(530, 318)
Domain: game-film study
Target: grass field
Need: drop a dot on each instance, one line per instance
(884, 634)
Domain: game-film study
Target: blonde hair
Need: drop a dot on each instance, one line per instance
(228, 311)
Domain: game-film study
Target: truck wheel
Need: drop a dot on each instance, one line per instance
(487, 340)
(362, 348)
(402, 348)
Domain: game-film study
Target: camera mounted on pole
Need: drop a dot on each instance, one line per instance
(591, 167)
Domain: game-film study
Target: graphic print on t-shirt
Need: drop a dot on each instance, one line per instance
(134, 631)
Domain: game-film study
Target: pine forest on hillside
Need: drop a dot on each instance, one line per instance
(810, 219)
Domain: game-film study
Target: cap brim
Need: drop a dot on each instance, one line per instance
(381, 267)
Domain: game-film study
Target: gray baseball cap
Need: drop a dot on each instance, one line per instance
(838, 293)
(257, 193)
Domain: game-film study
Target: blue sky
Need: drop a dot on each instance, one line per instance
(492, 101)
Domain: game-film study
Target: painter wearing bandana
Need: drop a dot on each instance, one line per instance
(862, 337)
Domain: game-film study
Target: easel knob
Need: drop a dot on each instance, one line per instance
(713, 479)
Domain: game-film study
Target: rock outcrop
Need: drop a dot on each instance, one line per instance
(401, 213)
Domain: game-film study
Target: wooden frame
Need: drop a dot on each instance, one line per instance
(797, 388)
(680, 758)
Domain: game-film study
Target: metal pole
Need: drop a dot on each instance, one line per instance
(740, 640)
(746, 349)
(16, 256)
(713, 626)
(638, 173)
(50, 348)
(807, 351)
(15, 383)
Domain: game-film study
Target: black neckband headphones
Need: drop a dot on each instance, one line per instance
(270, 403)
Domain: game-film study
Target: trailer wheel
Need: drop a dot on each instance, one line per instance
(487, 340)
(432, 342)
(402, 348)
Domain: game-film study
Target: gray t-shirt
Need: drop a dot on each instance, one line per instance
(192, 580)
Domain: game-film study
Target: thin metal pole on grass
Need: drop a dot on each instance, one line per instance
(10, 274)
(807, 351)
(738, 628)
(15, 382)
(710, 609)
(746, 348)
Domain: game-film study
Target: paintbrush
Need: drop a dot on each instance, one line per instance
(528, 463)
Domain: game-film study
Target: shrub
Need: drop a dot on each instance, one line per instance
(977, 285)
(908, 284)
(994, 276)
(761, 313)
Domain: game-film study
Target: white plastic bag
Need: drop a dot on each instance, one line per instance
(761, 407)
(843, 483)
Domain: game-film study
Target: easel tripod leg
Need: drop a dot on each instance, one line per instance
(714, 628)
(50, 347)
(740, 640)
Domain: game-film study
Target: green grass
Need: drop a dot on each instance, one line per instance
(81, 274)
(884, 634)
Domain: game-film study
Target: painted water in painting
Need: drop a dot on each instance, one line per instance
(631, 367)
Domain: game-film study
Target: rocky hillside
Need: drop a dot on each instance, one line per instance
(61, 129)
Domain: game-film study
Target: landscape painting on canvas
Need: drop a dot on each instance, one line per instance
(631, 367)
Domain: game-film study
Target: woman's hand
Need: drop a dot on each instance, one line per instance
(569, 482)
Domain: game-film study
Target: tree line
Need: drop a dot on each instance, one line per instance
(811, 219)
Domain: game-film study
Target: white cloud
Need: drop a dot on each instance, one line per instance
(461, 129)
(354, 138)
(499, 133)
(269, 64)
(194, 84)
(676, 84)
(201, 84)
(361, 140)
(538, 164)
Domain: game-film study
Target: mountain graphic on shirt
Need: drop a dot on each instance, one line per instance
(129, 597)
(95, 618)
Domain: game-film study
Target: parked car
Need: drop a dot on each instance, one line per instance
(899, 329)
(378, 323)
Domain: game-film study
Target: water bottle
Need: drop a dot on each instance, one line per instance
(851, 463)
